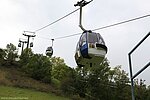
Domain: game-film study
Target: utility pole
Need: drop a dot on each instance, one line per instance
(23, 42)
(28, 36)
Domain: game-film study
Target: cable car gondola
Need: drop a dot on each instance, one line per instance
(31, 44)
(49, 50)
(90, 50)
(19, 45)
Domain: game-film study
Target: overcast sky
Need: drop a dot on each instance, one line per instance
(17, 16)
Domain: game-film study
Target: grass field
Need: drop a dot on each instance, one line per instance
(12, 93)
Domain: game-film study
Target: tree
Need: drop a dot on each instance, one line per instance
(148, 93)
(98, 82)
(121, 81)
(39, 68)
(89, 82)
(11, 54)
(2, 56)
(25, 56)
(141, 92)
(102, 83)
(59, 68)
(68, 83)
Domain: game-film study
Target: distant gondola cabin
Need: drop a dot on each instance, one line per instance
(49, 51)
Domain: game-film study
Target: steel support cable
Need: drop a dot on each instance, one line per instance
(107, 26)
(121, 22)
(68, 36)
(60, 37)
(56, 20)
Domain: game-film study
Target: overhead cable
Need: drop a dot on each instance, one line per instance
(107, 26)
(59, 37)
(56, 20)
(121, 22)
(67, 36)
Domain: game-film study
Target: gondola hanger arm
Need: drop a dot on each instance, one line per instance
(82, 4)
(52, 42)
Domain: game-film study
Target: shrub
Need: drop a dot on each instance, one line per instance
(39, 68)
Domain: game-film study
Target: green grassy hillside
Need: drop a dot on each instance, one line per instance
(26, 94)
(14, 83)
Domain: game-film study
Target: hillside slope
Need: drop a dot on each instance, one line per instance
(26, 94)
(11, 78)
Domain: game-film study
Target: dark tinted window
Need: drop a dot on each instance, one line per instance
(101, 41)
(92, 38)
(49, 49)
(95, 37)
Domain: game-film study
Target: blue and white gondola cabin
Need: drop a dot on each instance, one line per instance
(90, 50)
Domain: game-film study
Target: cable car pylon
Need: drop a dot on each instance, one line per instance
(28, 36)
(91, 49)
(23, 42)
